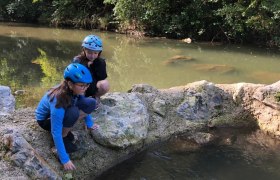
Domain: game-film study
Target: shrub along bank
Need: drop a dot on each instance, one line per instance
(255, 21)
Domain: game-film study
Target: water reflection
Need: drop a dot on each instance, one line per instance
(235, 155)
(33, 58)
(51, 68)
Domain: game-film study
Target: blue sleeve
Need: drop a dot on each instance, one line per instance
(57, 115)
(89, 121)
(42, 111)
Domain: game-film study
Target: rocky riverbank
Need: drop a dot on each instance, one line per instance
(129, 122)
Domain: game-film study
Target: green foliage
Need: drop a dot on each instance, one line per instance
(277, 97)
(23, 10)
(217, 20)
(203, 19)
(257, 19)
(68, 176)
(5, 72)
(79, 13)
(174, 19)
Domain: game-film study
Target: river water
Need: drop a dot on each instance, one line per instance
(33, 58)
(236, 154)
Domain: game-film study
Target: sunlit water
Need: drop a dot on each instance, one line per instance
(235, 155)
(33, 59)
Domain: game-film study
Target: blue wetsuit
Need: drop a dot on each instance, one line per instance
(46, 109)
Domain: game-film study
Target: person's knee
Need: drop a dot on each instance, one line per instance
(103, 86)
(86, 105)
(71, 116)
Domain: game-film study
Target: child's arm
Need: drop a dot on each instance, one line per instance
(90, 123)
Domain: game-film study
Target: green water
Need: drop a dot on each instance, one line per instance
(33, 59)
(235, 155)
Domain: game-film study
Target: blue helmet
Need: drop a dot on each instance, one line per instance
(92, 42)
(78, 73)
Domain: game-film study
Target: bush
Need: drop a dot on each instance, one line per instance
(22, 11)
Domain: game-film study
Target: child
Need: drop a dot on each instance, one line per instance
(62, 106)
(90, 57)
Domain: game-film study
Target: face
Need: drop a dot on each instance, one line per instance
(78, 88)
(91, 55)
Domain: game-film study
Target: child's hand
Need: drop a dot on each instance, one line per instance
(94, 127)
(69, 166)
(89, 63)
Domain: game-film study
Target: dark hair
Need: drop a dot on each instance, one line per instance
(83, 58)
(63, 94)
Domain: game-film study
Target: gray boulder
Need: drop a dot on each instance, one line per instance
(7, 101)
(123, 122)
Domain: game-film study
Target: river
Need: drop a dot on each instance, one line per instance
(238, 154)
(33, 59)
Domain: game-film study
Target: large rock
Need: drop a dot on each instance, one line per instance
(123, 122)
(7, 101)
(201, 102)
(131, 121)
(24, 156)
(266, 108)
(267, 95)
(260, 101)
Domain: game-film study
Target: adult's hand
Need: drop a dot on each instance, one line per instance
(69, 166)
